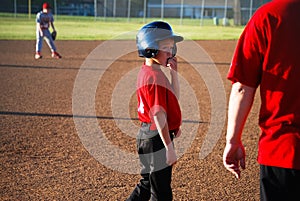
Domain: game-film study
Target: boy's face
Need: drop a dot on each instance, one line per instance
(165, 51)
(46, 10)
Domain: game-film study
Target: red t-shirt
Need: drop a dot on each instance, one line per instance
(268, 55)
(154, 93)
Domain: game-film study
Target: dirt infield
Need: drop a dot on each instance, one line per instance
(42, 156)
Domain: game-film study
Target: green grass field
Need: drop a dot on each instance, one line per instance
(21, 27)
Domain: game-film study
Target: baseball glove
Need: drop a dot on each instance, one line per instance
(53, 35)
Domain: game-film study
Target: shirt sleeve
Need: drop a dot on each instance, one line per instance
(246, 65)
(38, 18)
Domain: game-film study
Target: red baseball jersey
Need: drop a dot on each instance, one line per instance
(268, 55)
(155, 93)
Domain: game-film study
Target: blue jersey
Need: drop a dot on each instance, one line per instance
(44, 19)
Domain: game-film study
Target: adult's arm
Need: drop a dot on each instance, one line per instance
(240, 103)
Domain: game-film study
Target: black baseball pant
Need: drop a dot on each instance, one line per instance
(279, 184)
(156, 174)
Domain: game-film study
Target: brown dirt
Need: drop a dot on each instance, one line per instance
(42, 157)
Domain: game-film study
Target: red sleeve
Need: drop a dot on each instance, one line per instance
(246, 65)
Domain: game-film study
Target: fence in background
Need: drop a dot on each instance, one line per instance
(239, 10)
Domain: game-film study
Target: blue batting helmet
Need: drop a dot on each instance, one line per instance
(149, 35)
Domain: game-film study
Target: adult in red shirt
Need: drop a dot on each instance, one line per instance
(158, 111)
(268, 55)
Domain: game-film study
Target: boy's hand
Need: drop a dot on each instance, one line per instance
(53, 35)
(172, 63)
(171, 155)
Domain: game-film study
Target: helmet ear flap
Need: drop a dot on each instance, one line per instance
(148, 53)
(151, 52)
(174, 50)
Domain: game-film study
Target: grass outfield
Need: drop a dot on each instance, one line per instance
(87, 28)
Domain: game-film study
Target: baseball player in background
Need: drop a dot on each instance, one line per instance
(44, 19)
(158, 111)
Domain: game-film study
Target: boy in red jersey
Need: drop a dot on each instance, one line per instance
(267, 55)
(158, 111)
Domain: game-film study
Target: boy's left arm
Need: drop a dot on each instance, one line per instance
(172, 64)
(52, 22)
(52, 25)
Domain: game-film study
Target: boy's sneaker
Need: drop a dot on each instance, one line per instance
(56, 55)
(37, 55)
